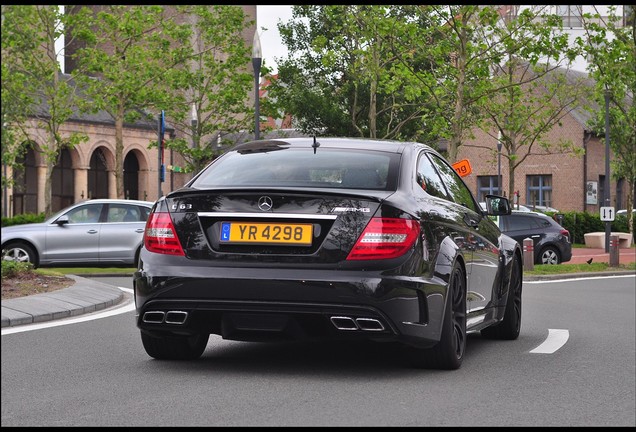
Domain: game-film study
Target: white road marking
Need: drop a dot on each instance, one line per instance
(578, 279)
(127, 306)
(555, 340)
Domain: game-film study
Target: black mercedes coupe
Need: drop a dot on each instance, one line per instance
(327, 238)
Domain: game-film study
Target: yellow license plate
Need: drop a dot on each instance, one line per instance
(257, 232)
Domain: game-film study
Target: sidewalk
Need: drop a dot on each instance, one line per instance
(85, 296)
(582, 255)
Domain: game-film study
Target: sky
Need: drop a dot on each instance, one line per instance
(271, 44)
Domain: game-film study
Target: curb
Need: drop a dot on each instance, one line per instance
(83, 297)
(578, 275)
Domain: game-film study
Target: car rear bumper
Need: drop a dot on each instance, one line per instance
(265, 304)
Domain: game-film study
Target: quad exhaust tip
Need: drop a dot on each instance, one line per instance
(351, 324)
(160, 317)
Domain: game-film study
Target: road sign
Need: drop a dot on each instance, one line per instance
(463, 167)
(607, 214)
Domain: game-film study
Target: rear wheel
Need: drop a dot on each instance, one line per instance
(549, 255)
(173, 347)
(20, 252)
(510, 327)
(449, 351)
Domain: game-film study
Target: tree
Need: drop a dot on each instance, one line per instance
(127, 52)
(215, 80)
(611, 50)
(36, 97)
(532, 89)
(412, 72)
(341, 76)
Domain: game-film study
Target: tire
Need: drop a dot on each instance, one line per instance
(510, 327)
(21, 252)
(549, 255)
(448, 353)
(173, 347)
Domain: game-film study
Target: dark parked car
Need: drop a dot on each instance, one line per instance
(93, 232)
(328, 238)
(551, 241)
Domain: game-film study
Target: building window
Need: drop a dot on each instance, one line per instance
(628, 15)
(487, 185)
(571, 15)
(539, 190)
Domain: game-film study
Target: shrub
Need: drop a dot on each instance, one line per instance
(23, 219)
(580, 223)
(12, 268)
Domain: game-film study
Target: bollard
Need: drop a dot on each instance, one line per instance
(528, 254)
(614, 253)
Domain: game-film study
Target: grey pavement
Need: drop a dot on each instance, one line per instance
(88, 295)
(85, 296)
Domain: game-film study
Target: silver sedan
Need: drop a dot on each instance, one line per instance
(95, 232)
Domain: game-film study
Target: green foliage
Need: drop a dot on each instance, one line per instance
(11, 268)
(216, 81)
(580, 223)
(34, 91)
(545, 269)
(133, 50)
(611, 50)
(23, 218)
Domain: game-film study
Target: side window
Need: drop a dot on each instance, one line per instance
(145, 212)
(520, 222)
(458, 190)
(544, 223)
(429, 180)
(123, 213)
(85, 214)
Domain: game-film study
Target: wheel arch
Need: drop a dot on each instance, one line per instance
(18, 240)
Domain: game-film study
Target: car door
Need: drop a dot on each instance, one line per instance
(481, 238)
(76, 241)
(520, 227)
(122, 232)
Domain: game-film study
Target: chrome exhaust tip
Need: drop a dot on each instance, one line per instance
(176, 317)
(344, 323)
(369, 324)
(153, 317)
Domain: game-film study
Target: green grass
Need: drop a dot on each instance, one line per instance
(544, 269)
(56, 271)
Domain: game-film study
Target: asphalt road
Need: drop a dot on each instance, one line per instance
(96, 373)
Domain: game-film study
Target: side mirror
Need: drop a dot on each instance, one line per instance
(497, 205)
(62, 220)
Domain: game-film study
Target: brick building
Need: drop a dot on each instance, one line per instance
(87, 171)
(562, 180)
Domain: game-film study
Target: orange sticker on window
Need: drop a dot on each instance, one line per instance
(463, 167)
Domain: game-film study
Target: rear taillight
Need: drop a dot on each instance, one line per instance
(160, 236)
(385, 238)
(565, 233)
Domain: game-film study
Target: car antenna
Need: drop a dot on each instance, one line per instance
(315, 145)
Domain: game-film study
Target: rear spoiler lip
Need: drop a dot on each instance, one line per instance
(379, 195)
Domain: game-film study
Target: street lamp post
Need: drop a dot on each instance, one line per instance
(499, 163)
(256, 62)
(5, 213)
(194, 120)
(608, 225)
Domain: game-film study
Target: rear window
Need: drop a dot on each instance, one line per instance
(290, 167)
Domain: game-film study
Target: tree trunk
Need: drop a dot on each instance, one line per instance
(119, 153)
